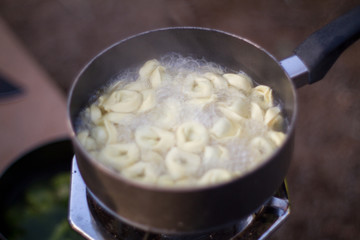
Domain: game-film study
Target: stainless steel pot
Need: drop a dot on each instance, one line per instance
(197, 209)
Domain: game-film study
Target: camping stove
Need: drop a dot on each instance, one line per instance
(94, 221)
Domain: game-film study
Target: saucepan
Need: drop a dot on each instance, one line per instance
(182, 210)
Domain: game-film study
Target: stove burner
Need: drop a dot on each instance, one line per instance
(112, 228)
(92, 221)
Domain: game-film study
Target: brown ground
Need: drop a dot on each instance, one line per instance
(324, 177)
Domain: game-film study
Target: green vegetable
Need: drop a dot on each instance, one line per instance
(42, 212)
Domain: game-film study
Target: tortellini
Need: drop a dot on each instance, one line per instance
(235, 110)
(147, 69)
(261, 146)
(149, 100)
(239, 81)
(95, 114)
(151, 74)
(165, 180)
(199, 90)
(192, 137)
(217, 80)
(120, 155)
(104, 133)
(257, 113)
(199, 87)
(273, 118)
(154, 138)
(141, 171)
(137, 86)
(215, 176)
(215, 156)
(123, 101)
(224, 128)
(88, 142)
(263, 95)
(167, 115)
(152, 157)
(115, 117)
(182, 124)
(100, 135)
(182, 163)
(276, 137)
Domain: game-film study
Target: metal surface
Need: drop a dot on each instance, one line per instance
(296, 70)
(193, 208)
(79, 215)
(259, 225)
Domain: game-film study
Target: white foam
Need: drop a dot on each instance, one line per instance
(171, 93)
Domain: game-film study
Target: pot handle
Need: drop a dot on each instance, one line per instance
(320, 50)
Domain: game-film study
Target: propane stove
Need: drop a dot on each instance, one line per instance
(94, 221)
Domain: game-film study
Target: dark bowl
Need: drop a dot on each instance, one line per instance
(29, 206)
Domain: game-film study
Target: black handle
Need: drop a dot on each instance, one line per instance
(320, 51)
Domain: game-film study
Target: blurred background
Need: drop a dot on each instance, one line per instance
(324, 176)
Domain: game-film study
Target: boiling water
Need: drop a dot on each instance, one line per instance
(171, 96)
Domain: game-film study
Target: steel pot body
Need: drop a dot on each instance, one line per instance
(186, 209)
